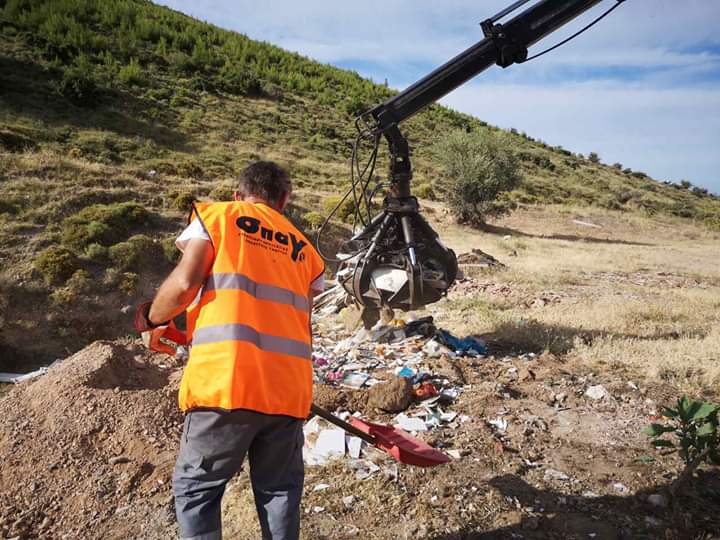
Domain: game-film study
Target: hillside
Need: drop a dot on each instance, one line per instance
(115, 115)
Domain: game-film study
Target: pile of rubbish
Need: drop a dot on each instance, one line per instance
(393, 363)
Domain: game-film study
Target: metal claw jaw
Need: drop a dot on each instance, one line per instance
(400, 263)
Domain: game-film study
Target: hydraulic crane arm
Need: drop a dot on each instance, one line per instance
(398, 260)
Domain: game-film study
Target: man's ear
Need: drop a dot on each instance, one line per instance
(283, 201)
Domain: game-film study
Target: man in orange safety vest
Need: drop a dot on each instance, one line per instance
(246, 278)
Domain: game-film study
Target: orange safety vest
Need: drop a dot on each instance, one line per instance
(249, 327)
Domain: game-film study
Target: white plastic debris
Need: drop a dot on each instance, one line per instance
(330, 443)
(321, 487)
(552, 474)
(455, 454)
(410, 423)
(354, 445)
(596, 392)
(348, 501)
(620, 488)
(500, 424)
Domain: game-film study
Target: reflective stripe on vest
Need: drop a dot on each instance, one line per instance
(242, 332)
(249, 326)
(260, 291)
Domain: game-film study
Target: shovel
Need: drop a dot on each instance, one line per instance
(398, 443)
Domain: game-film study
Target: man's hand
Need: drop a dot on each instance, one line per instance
(151, 333)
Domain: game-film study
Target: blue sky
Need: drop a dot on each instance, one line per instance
(641, 88)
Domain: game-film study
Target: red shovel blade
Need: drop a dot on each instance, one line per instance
(401, 445)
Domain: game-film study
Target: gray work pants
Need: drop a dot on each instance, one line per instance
(212, 449)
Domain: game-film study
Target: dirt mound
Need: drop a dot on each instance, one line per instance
(88, 446)
(333, 398)
(394, 395)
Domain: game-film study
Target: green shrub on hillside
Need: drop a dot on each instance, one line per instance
(477, 169)
(132, 74)
(79, 82)
(56, 264)
(80, 282)
(137, 251)
(103, 224)
(313, 219)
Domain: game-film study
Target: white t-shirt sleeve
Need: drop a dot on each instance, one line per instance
(192, 232)
(319, 284)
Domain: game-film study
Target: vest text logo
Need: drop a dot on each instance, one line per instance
(251, 225)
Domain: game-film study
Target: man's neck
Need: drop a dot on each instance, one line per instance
(259, 200)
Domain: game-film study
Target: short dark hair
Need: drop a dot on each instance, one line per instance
(265, 180)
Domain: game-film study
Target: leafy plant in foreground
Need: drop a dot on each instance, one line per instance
(697, 439)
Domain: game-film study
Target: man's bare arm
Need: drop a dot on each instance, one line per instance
(183, 283)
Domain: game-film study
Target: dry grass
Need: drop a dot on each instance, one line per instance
(637, 295)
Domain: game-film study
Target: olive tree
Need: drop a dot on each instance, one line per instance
(477, 169)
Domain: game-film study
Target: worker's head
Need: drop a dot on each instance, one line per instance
(264, 181)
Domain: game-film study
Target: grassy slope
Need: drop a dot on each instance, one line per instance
(166, 101)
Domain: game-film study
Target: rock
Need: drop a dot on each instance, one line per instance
(656, 499)
(116, 460)
(394, 395)
(348, 501)
(652, 522)
(596, 392)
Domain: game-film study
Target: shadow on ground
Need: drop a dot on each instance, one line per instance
(693, 516)
(504, 231)
(126, 373)
(535, 336)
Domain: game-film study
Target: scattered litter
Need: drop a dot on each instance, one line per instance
(467, 346)
(321, 487)
(354, 445)
(500, 424)
(552, 474)
(16, 378)
(410, 423)
(318, 509)
(620, 488)
(455, 454)
(586, 224)
(364, 468)
(596, 392)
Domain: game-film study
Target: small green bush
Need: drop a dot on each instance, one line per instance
(79, 83)
(129, 283)
(62, 298)
(184, 201)
(80, 282)
(346, 211)
(190, 169)
(313, 219)
(222, 193)
(170, 250)
(135, 252)
(96, 253)
(111, 277)
(132, 74)
(56, 264)
(478, 168)
(103, 224)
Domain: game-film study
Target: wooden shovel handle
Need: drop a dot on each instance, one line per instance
(327, 415)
